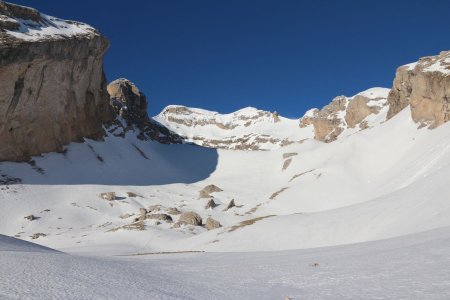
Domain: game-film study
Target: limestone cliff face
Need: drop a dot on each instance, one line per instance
(52, 86)
(425, 87)
(345, 113)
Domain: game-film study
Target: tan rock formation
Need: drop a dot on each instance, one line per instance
(190, 218)
(208, 190)
(358, 110)
(326, 121)
(425, 86)
(52, 86)
(110, 196)
(344, 113)
(173, 211)
(212, 224)
(160, 217)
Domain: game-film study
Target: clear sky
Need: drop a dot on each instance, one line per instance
(278, 55)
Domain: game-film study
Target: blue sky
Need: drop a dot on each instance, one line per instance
(280, 55)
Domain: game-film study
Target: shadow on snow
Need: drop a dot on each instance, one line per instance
(117, 161)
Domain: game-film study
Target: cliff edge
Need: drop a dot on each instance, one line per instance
(52, 85)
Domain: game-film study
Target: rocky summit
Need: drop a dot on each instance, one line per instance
(128, 102)
(130, 106)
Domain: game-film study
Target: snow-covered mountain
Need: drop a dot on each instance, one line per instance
(352, 195)
(245, 129)
(253, 129)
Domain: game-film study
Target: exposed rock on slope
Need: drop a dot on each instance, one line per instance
(52, 86)
(212, 224)
(425, 86)
(131, 105)
(345, 113)
(208, 190)
(128, 101)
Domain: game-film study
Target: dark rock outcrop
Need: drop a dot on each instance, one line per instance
(230, 205)
(131, 105)
(211, 204)
(128, 101)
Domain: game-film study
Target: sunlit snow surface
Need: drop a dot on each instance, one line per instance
(412, 267)
(388, 181)
(49, 27)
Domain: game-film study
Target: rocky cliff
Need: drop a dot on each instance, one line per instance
(52, 85)
(425, 87)
(130, 104)
(345, 113)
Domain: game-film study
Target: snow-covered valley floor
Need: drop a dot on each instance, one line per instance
(410, 267)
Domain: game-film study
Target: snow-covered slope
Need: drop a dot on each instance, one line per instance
(27, 24)
(386, 181)
(374, 196)
(253, 129)
(245, 129)
(412, 267)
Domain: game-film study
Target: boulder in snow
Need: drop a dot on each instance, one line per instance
(208, 190)
(110, 196)
(160, 217)
(212, 224)
(30, 218)
(173, 211)
(190, 218)
(211, 204)
(230, 205)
